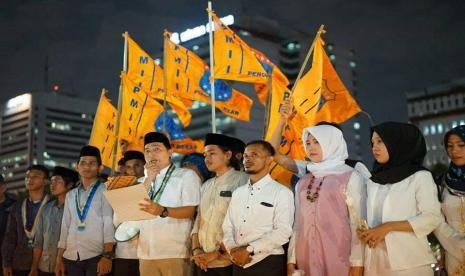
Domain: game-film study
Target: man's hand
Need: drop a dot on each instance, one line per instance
(150, 207)
(240, 256)
(202, 259)
(153, 169)
(103, 266)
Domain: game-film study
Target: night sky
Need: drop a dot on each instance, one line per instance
(400, 45)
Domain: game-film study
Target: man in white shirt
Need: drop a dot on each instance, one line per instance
(164, 243)
(259, 218)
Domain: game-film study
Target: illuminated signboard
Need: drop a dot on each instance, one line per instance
(18, 104)
(198, 31)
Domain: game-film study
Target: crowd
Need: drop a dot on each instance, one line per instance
(221, 213)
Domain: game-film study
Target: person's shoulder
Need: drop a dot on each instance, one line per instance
(421, 175)
(278, 187)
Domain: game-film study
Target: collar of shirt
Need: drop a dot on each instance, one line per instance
(164, 170)
(224, 175)
(89, 188)
(260, 183)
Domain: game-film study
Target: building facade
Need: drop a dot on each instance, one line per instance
(435, 110)
(42, 128)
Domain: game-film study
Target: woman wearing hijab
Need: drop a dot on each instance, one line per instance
(207, 235)
(324, 241)
(402, 205)
(450, 232)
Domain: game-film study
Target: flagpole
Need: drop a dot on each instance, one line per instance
(318, 34)
(120, 102)
(165, 78)
(212, 69)
(268, 103)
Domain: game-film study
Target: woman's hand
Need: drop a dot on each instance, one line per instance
(375, 235)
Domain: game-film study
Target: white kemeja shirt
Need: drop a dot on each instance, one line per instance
(165, 238)
(259, 215)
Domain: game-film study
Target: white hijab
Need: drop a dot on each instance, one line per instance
(334, 149)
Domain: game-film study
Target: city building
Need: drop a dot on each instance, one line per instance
(435, 110)
(42, 128)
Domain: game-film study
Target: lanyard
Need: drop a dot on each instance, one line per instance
(155, 197)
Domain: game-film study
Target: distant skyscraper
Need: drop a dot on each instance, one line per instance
(435, 110)
(45, 128)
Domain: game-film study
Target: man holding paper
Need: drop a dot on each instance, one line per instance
(173, 195)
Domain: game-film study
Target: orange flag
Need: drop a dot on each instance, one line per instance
(103, 130)
(148, 75)
(188, 77)
(277, 76)
(139, 112)
(336, 104)
(187, 146)
(320, 94)
(233, 58)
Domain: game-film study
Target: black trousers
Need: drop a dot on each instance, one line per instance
(126, 267)
(272, 265)
(218, 271)
(82, 268)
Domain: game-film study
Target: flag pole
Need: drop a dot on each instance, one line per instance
(120, 103)
(212, 69)
(268, 103)
(164, 80)
(321, 30)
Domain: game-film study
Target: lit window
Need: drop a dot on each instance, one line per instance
(357, 125)
(158, 61)
(46, 155)
(353, 64)
(195, 47)
(83, 116)
(440, 128)
(425, 130)
(433, 129)
(244, 33)
(332, 57)
(60, 126)
(291, 46)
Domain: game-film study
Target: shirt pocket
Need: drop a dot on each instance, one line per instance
(263, 214)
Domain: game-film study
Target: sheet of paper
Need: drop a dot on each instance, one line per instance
(125, 202)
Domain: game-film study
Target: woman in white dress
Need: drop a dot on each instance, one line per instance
(402, 204)
(452, 195)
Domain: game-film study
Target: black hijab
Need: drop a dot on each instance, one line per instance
(455, 177)
(407, 149)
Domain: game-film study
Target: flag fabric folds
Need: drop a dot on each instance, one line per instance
(234, 59)
(103, 130)
(188, 76)
(139, 113)
(148, 76)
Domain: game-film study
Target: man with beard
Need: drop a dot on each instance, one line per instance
(259, 218)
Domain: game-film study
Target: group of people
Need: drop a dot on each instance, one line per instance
(221, 213)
